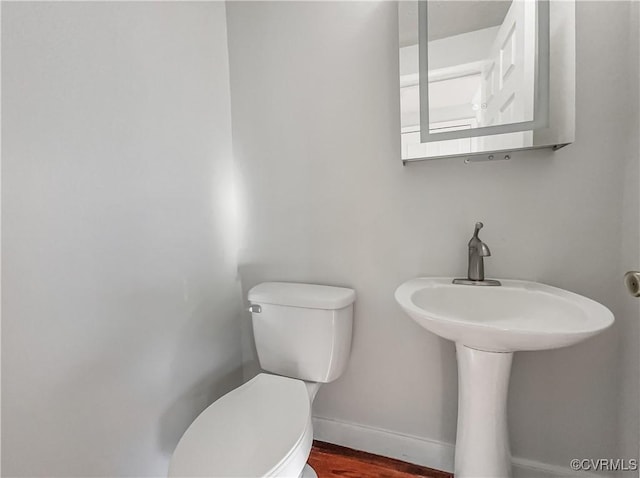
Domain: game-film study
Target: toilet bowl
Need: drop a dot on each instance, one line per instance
(263, 428)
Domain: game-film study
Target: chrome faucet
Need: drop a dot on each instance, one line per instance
(478, 250)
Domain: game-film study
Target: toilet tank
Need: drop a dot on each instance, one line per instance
(302, 331)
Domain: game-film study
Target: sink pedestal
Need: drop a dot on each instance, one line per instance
(482, 440)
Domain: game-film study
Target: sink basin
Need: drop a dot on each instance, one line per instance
(518, 315)
(488, 324)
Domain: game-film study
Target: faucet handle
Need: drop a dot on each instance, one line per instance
(475, 242)
(479, 226)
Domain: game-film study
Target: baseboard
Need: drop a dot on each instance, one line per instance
(412, 449)
(421, 451)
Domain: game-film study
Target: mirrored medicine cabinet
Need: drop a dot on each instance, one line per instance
(480, 79)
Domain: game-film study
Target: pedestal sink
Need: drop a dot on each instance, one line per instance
(488, 324)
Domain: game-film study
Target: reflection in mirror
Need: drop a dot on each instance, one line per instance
(487, 64)
(481, 60)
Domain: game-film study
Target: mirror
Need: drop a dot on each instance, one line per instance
(483, 76)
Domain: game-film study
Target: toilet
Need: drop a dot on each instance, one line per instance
(263, 428)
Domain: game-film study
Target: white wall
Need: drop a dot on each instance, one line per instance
(315, 127)
(464, 48)
(119, 267)
(450, 51)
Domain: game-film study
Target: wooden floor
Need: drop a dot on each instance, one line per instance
(332, 460)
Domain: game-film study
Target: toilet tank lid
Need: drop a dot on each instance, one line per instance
(311, 296)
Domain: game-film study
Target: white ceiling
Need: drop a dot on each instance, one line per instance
(450, 17)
